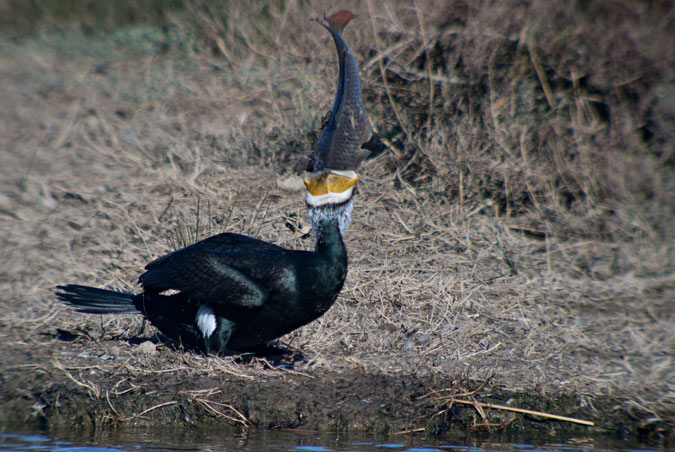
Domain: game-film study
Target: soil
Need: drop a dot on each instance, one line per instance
(510, 243)
(118, 383)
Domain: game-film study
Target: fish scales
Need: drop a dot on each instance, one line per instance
(348, 127)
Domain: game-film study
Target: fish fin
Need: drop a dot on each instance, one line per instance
(303, 164)
(338, 21)
(325, 119)
(375, 145)
(361, 156)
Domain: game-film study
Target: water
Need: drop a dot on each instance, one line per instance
(130, 440)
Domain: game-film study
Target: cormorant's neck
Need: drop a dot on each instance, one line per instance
(329, 220)
(329, 201)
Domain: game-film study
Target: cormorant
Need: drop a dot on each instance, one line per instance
(230, 292)
(237, 293)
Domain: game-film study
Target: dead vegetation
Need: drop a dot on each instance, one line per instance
(518, 222)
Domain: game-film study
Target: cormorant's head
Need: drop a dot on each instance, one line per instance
(330, 197)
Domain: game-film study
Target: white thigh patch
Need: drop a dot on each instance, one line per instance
(206, 320)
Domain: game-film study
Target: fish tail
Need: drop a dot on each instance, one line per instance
(338, 21)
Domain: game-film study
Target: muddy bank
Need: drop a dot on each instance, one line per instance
(122, 383)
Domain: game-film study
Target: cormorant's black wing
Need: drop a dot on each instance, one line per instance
(215, 270)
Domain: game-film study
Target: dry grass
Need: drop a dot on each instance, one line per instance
(519, 224)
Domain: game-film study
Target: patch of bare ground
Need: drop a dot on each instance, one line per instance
(515, 228)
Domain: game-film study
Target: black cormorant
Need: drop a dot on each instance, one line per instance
(237, 293)
(230, 292)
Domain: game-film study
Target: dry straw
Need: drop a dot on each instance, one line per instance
(518, 220)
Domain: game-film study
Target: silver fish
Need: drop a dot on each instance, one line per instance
(347, 126)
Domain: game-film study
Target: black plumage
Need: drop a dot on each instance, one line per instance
(235, 293)
(231, 292)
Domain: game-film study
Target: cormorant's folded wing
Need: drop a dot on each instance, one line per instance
(214, 271)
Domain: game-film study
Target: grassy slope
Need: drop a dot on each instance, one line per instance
(520, 223)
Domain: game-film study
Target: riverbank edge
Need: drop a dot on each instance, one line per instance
(38, 397)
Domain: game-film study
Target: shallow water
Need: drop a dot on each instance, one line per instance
(264, 441)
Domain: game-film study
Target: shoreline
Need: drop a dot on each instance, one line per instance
(151, 385)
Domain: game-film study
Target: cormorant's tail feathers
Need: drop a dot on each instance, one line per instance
(91, 300)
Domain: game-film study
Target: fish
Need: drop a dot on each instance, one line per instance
(347, 126)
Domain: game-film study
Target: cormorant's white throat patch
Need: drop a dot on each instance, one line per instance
(329, 212)
(206, 320)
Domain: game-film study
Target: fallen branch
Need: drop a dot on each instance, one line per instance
(144, 412)
(480, 405)
(406, 432)
(240, 419)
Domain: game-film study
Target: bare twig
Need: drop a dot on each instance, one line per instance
(480, 405)
(92, 388)
(152, 408)
(239, 419)
(541, 75)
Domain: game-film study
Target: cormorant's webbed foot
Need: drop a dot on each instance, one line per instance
(276, 354)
